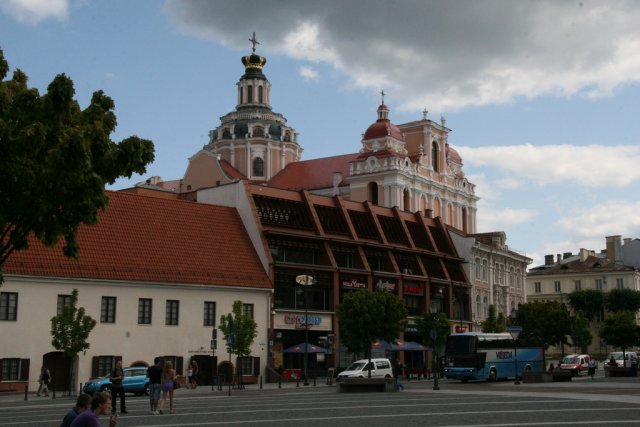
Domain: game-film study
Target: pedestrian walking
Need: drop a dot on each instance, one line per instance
(82, 404)
(154, 372)
(193, 375)
(168, 379)
(397, 373)
(43, 380)
(592, 368)
(116, 377)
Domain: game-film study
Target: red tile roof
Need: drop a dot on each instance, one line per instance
(148, 239)
(312, 174)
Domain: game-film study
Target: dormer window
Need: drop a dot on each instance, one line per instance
(287, 136)
(226, 134)
(258, 131)
(258, 167)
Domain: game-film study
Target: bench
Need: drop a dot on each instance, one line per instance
(365, 385)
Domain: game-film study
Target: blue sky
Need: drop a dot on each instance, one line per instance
(542, 97)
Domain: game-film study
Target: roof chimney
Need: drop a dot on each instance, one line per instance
(627, 240)
(558, 258)
(548, 259)
(614, 244)
(566, 255)
(584, 254)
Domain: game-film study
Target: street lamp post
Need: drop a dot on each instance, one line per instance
(305, 281)
(515, 332)
(433, 333)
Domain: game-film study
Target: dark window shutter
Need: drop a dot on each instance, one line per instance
(179, 365)
(94, 366)
(256, 366)
(24, 369)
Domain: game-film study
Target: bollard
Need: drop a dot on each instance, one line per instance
(260, 382)
(279, 381)
(26, 392)
(298, 382)
(53, 393)
(314, 381)
(80, 389)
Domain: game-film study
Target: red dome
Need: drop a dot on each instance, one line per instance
(382, 128)
(453, 155)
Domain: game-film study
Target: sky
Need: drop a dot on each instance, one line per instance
(542, 97)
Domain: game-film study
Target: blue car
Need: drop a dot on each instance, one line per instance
(135, 381)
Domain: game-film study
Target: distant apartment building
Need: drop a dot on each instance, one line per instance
(611, 268)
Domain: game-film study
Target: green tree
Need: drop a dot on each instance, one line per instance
(245, 330)
(366, 316)
(620, 330)
(437, 322)
(589, 301)
(580, 333)
(70, 331)
(493, 323)
(623, 300)
(544, 323)
(55, 160)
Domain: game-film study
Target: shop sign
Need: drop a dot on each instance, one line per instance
(385, 285)
(413, 289)
(353, 284)
(300, 320)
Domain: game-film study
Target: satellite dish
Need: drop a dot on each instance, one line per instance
(305, 279)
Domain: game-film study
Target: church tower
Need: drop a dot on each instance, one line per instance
(252, 142)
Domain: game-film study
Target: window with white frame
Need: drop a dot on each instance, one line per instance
(599, 284)
(8, 305)
(478, 304)
(172, 312)
(478, 269)
(557, 287)
(620, 283)
(247, 308)
(485, 270)
(209, 313)
(63, 301)
(578, 284)
(537, 287)
(10, 370)
(145, 307)
(108, 310)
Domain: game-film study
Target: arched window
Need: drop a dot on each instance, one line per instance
(478, 306)
(226, 134)
(434, 156)
(249, 93)
(518, 279)
(258, 167)
(464, 220)
(258, 131)
(478, 269)
(372, 193)
(485, 307)
(260, 94)
(485, 270)
(512, 274)
(287, 136)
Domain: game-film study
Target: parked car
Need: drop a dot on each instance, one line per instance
(630, 357)
(380, 368)
(135, 381)
(575, 363)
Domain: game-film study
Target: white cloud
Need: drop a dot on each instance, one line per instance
(442, 54)
(609, 218)
(588, 166)
(308, 73)
(490, 219)
(34, 11)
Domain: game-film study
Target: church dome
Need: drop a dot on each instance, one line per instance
(383, 126)
(453, 155)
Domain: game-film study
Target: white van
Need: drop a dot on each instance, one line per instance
(629, 356)
(380, 368)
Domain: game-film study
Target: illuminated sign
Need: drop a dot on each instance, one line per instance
(353, 284)
(413, 289)
(300, 320)
(385, 285)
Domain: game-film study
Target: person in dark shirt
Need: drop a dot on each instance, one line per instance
(82, 404)
(154, 372)
(100, 405)
(116, 377)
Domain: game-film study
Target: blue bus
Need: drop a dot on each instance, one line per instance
(489, 357)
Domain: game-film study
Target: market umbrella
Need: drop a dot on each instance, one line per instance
(416, 346)
(300, 348)
(395, 345)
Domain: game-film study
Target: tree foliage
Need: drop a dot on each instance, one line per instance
(70, 329)
(580, 333)
(544, 323)
(493, 323)
(623, 300)
(55, 160)
(588, 301)
(437, 322)
(243, 329)
(367, 316)
(620, 330)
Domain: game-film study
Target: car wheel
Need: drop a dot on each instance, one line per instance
(493, 375)
(387, 376)
(106, 389)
